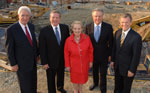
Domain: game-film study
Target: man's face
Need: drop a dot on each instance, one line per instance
(54, 19)
(97, 17)
(24, 17)
(125, 23)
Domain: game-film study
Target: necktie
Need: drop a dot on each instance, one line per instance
(57, 35)
(28, 36)
(122, 38)
(97, 33)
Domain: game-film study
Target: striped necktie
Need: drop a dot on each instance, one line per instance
(28, 36)
(122, 38)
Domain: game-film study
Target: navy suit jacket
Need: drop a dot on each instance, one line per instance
(102, 48)
(50, 52)
(127, 56)
(19, 50)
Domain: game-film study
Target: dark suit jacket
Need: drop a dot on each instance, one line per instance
(51, 53)
(127, 57)
(19, 49)
(103, 48)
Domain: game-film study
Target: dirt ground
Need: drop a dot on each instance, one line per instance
(82, 12)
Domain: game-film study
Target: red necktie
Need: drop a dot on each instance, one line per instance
(28, 36)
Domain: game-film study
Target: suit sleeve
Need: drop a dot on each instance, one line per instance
(67, 54)
(10, 47)
(113, 49)
(90, 50)
(43, 48)
(137, 45)
(68, 32)
(110, 40)
(86, 30)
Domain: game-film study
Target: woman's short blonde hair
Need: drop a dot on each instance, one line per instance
(76, 22)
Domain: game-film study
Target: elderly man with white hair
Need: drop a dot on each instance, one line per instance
(22, 51)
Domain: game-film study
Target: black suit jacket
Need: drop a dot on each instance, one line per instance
(51, 53)
(103, 48)
(127, 57)
(19, 49)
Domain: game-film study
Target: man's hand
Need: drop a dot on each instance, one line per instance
(109, 59)
(14, 68)
(45, 66)
(91, 65)
(38, 59)
(112, 64)
(68, 69)
(130, 74)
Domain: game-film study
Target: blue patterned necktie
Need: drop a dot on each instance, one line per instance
(57, 35)
(97, 33)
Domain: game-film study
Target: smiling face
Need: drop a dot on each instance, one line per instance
(125, 23)
(97, 17)
(55, 18)
(77, 29)
(24, 17)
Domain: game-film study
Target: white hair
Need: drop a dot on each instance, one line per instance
(24, 8)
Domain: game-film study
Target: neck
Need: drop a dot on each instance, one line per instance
(77, 36)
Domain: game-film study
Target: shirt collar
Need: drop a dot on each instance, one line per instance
(97, 25)
(126, 32)
(55, 27)
(22, 25)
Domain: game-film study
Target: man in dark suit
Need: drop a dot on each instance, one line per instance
(51, 42)
(126, 55)
(22, 51)
(101, 35)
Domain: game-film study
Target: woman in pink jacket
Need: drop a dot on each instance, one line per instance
(78, 56)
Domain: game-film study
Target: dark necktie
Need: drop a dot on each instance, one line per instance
(97, 33)
(28, 36)
(57, 35)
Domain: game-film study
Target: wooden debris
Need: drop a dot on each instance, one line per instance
(147, 63)
(3, 64)
(147, 3)
(102, 2)
(128, 3)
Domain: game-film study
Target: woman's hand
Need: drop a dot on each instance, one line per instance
(68, 69)
(91, 64)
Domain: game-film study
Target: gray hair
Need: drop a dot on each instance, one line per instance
(98, 10)
(24, 8)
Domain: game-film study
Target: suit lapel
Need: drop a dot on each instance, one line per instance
(118, 37)
(21, 33)
(92, 28)
(102, 32)
(32, 35)
(128, 37)
(51, 31)
(62, 33)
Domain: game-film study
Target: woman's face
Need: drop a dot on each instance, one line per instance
(77, 29)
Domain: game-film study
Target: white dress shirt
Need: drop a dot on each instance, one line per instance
(58, 28)
(23, 28)
(96, 26)
(126, 32)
